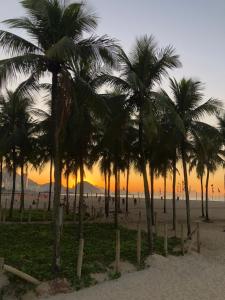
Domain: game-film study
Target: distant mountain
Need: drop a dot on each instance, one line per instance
(34, 186)
(88, 188)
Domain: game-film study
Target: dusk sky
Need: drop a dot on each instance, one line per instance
(196, 28)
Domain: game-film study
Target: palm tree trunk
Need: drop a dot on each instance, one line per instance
(145, 182)
(22, 189)
(75, 192)
(81, 201)
(202, 196)
(57, 175)
(116, 197)
(118, 188)
(106, 196)
(152, 193)
(50, 185)
(67, 192)
(186, 192)
(108, 191)
(164, 179)
(174, 193)
(1, 167)
(207, 196)
(127, 186)
(13, 186)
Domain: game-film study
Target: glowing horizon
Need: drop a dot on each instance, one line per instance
(136, 183)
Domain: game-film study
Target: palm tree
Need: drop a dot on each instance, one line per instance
(188, 99)
(213, 157)
(197, 161)
(140, 72)
(56, 32)
(115, 138)
(17, 128)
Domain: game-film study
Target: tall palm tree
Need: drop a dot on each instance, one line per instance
(188, 101)
(145, 67)
(213, 157)
(197, 161)
(56, 33)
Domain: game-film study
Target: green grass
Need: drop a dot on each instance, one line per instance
(35, 216)
(28, 247)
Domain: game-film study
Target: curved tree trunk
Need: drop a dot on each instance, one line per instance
(207, 196)
(186, 192)
(1, 167)
(202, 196)
(81, 201)
(57, 175)
(22, 189)
(164, 190)
(174, 193)
(145, 182)
(127, 186)
(13, 186)
(152, 193)
(50, 185)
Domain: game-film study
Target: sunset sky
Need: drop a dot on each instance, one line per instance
(196, 28)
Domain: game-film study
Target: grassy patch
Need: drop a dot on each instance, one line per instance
(28, 247)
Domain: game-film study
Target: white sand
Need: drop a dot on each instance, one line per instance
(194, 276)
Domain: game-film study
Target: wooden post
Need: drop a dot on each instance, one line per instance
(1, 264)
(182, 239)
(139, 244)
(80, 258)
(198, 238)
(117, 261)
(156, 225)
(165, 240)
(20, 274)
(29, 213)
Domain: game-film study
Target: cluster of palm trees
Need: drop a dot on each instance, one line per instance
(134, 124)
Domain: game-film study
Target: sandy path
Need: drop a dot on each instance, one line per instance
(190, 277)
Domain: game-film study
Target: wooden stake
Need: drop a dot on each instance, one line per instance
(182, 239)
(139, 244)
(1, 264)
(198, 238)
(117, 262)
(165, 240)
(80, 258)
(156, 225)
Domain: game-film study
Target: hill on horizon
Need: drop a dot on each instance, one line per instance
(31, 185)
